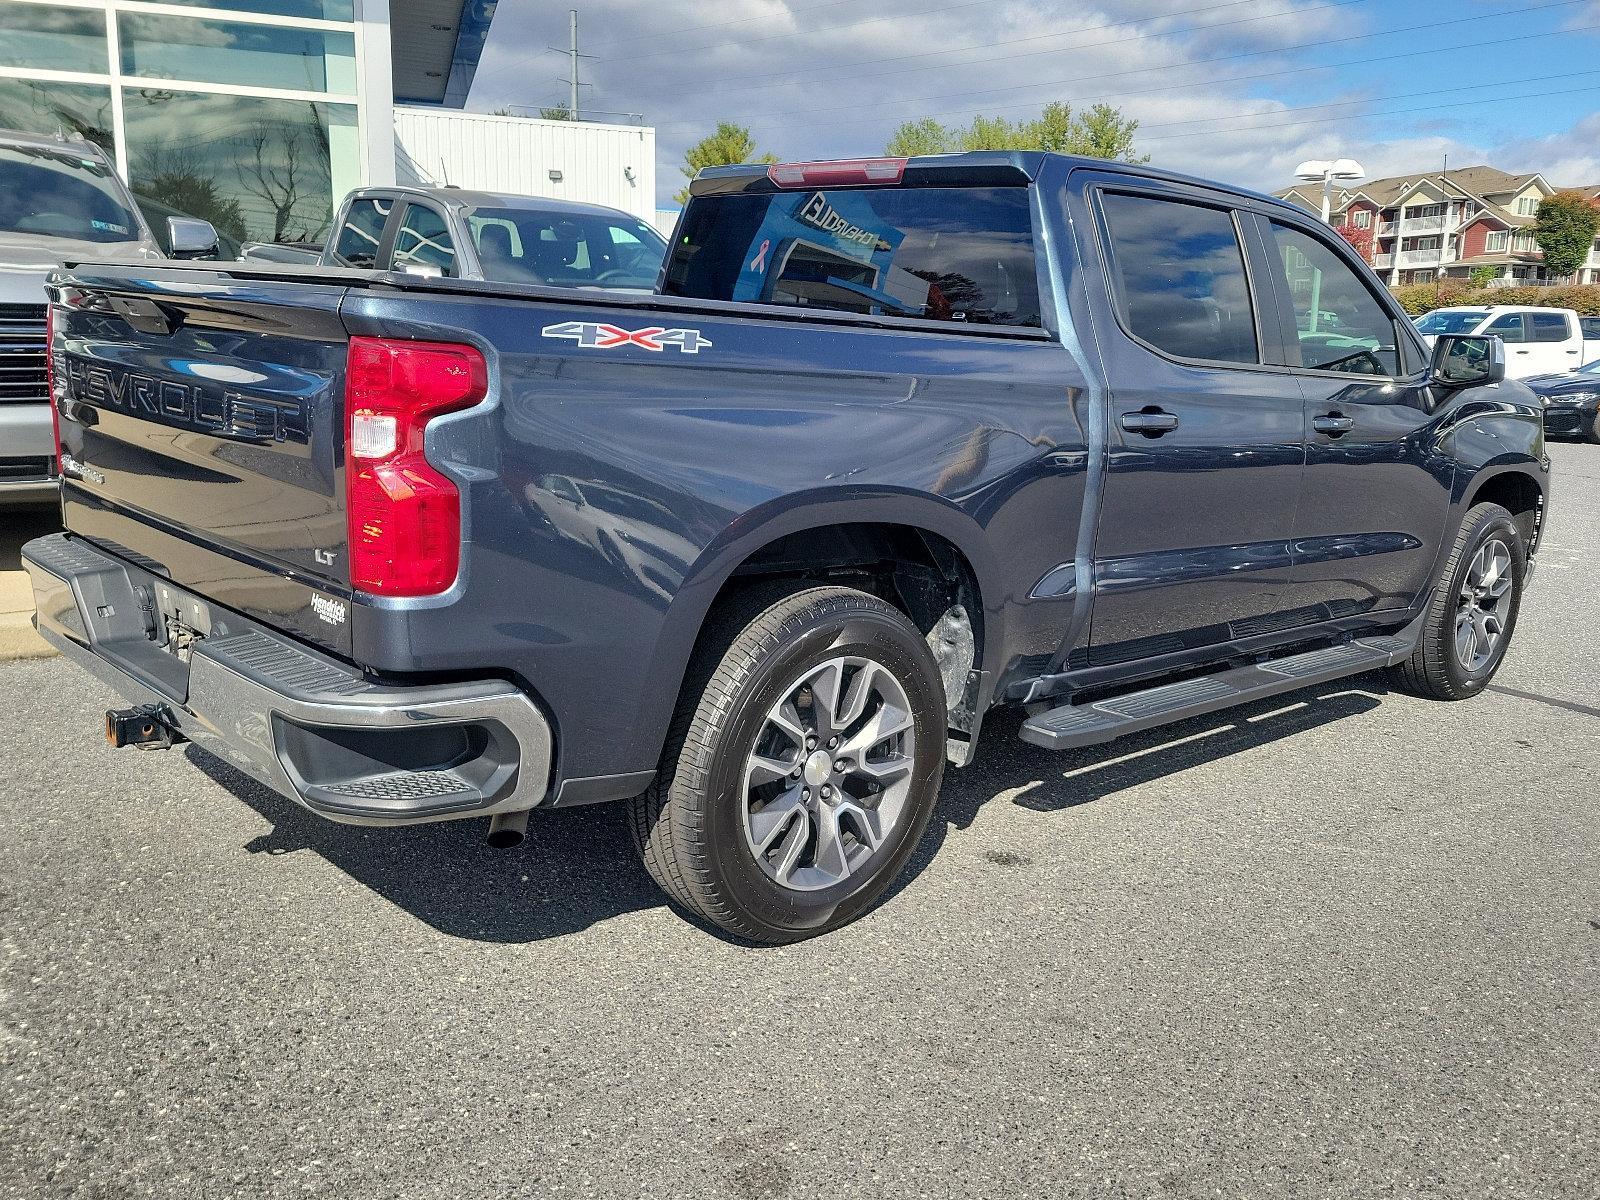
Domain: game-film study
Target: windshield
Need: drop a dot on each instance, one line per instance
(1458, 321)
(51, 193)
(565, 249)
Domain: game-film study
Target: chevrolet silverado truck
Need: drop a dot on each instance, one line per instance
(896, 442)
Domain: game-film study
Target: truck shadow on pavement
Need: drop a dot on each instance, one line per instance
(577, 867)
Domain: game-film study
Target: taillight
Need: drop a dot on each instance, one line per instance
(839, 173)
(405, 517)
(50, 377)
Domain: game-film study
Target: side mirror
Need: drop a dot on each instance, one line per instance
(191, 237)
(1462, 360)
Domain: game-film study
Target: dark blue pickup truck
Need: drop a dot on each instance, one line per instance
(895, 443)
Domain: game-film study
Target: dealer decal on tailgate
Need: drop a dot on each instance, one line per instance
(594, 335)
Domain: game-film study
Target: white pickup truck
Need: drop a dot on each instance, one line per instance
(1539, 341)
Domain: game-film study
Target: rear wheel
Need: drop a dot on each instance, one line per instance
(802, 768)
(1473, 612)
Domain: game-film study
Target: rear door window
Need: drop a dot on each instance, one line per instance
(963, 255)
(1549, 326)
(424, 239)
(1180, 277)
(361, 234)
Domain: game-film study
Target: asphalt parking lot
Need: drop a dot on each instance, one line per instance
(1344, 944)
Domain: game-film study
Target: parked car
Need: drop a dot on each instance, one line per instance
(1572, 401)
(900, 441)
(303, 253)
(60, 198)
(457, 234)
(1538, 340)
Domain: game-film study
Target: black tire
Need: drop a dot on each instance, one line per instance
(690, 827)
(1594, 429)
(1435, 669)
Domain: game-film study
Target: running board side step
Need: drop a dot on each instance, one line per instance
(1075, 725)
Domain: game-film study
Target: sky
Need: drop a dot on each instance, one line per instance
(1236, 90)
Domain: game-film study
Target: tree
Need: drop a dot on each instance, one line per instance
(556, 112)
(1482, 277)
(1565, 226)
(729, 145)
(277, 166)
(926, 136)
(1099, 132)
(1103, 132)
(1359, 238)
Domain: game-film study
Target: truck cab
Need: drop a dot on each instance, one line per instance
(454, 233)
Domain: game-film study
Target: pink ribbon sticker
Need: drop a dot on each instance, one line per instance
(759, 262)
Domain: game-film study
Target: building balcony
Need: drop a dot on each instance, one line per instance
(1425, 258)
(1383, 260)
(1423, 224)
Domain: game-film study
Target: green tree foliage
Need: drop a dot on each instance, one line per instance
(1098, 132)
(1565, 227)
(730, 144)
(926, 136)
(556, 112)
(1482, 277)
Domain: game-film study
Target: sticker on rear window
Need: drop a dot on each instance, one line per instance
(596, 335)
(109, 226)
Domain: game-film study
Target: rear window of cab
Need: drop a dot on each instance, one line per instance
(945, 254)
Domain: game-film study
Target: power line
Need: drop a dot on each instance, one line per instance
(771, 81)
(1375, 113)
(1466, 87)
(771, 37)
(1430, 25)
(803, 12)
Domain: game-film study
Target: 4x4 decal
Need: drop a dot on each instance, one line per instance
(594, 335)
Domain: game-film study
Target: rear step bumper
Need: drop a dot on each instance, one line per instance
(306, 725)
(1073, 725)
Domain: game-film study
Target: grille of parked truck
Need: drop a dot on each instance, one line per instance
(900, 441)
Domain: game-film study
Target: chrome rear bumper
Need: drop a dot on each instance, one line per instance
(317, 730)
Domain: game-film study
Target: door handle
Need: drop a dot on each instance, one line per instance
(1333, 424)
(1151, 422)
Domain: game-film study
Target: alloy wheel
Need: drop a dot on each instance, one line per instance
(1484, 605)
(829, 775)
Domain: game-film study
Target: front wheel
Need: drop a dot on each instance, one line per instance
(1473, 611)
(802, 767)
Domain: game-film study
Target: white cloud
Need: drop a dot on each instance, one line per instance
(822, 80)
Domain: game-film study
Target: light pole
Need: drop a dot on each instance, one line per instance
(1311, 170)
(1339, 168)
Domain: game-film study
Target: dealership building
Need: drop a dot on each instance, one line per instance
(259, 115)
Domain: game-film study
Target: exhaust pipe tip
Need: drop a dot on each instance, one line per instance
(508, 829)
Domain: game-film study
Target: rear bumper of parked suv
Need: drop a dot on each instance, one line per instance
(308, 726)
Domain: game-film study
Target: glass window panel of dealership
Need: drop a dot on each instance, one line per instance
(242, 112)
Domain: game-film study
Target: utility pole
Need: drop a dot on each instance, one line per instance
(572, 73)
(574, 52)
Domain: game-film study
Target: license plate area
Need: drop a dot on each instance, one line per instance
(181, 620)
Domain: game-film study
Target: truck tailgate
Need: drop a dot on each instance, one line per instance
(202, 431)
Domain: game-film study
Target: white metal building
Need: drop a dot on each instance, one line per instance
(598, 164)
